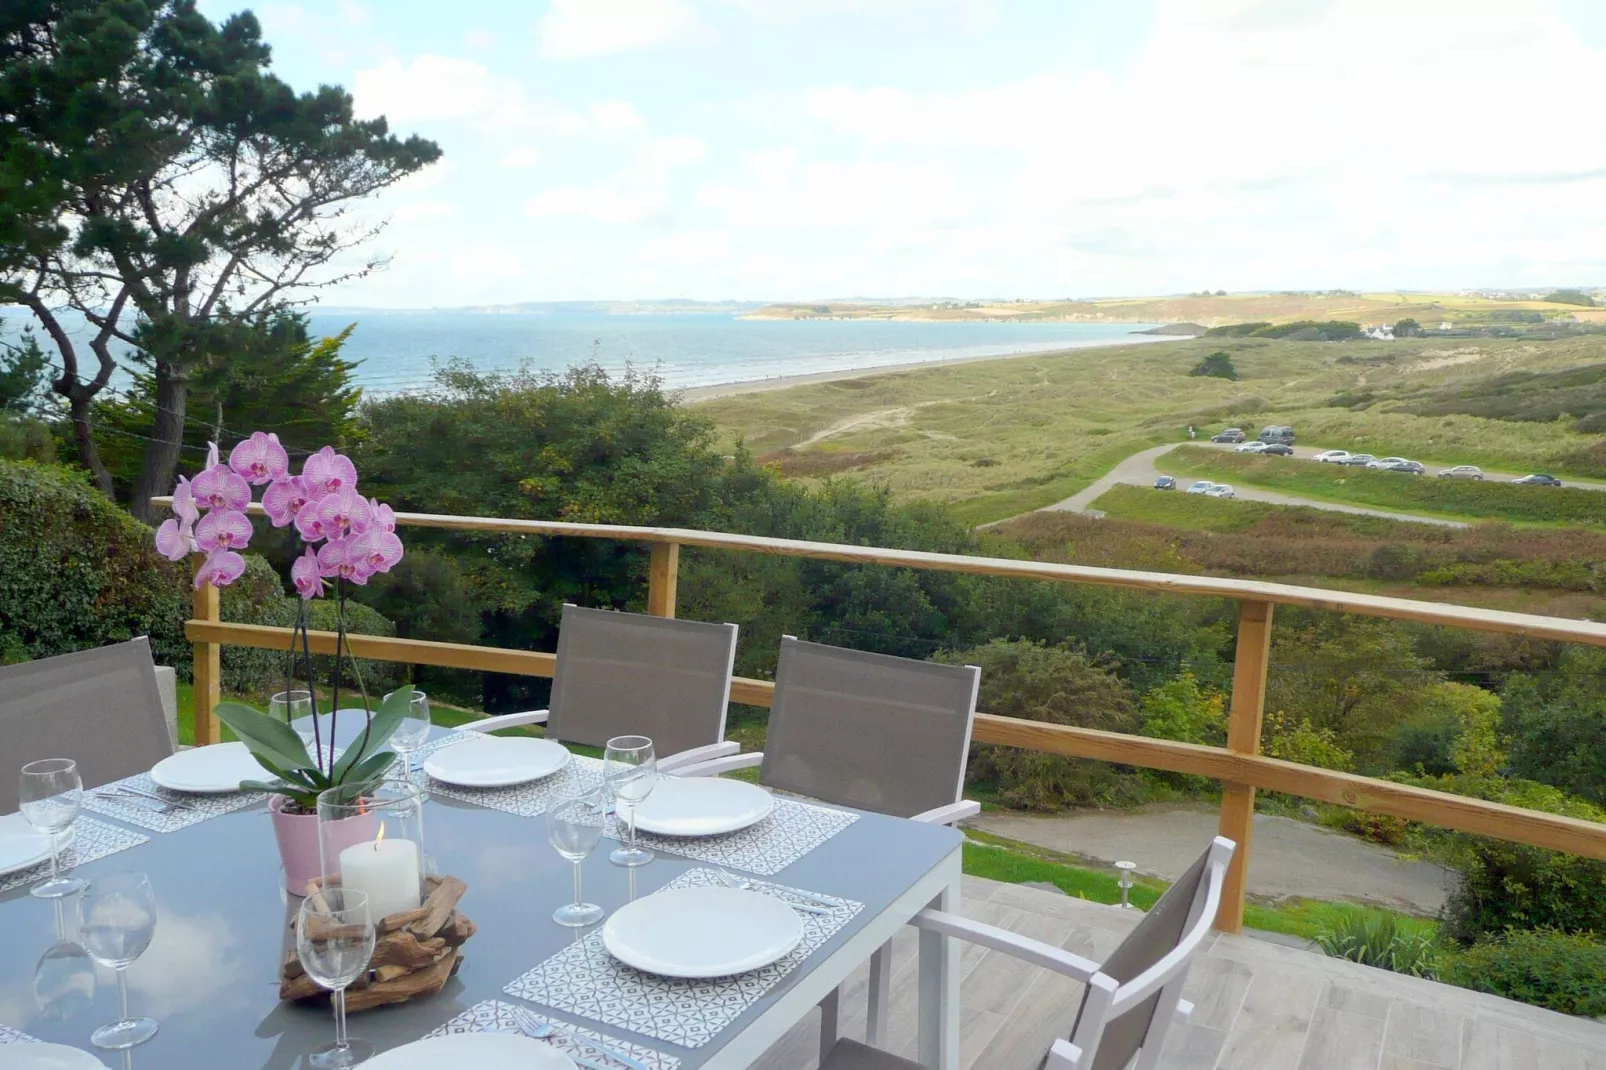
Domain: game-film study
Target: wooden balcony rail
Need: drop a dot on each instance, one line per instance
(1239, 766)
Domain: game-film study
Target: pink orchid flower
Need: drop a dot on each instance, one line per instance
(184, 506)
(223, 529)
(327, 472)
(221, 568)
(378, 548)
(220, 487)
(260, 459)
(175, 539)
(337, 558)
(384, 516)
(211, 455)
(309, 526)
(309, 584)
(345, 512)
(284, 499)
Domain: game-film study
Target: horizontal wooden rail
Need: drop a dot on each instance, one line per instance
(1529, 625)
(1218, 763)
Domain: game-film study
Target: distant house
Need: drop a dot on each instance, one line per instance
(1382, 333)
(1446, 326)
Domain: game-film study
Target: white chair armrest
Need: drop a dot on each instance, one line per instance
(507, 720)
(1022, 947)
(694, 755)
(947, 815)
(1184, 1011)
(722, 765)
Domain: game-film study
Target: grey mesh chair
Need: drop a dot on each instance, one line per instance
(629, 674)
(1131, 997)
(101, 708)
(866, 730)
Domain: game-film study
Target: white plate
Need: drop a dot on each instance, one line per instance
(21, 846)
(47, 1057)
(481, 1051)
(702, 932)
(496, 762)
(702, 806)
(214, 770)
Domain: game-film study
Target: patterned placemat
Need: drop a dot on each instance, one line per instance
(494, 1016)
(532, 799)
(193, 809)
(791, 830)
(91, 839)
(9, 1035)
(584, 980)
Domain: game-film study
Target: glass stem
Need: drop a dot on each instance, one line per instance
(631, 818)
(340, 1020)
(577, 898)
(122, 992)
(55, 849)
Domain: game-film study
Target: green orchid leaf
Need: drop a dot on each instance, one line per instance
(370, 768)
(273, 743)
(271, 787)
(381, 727)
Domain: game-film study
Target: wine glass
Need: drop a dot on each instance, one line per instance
(49, 795)
(630, 769)
(290, 707)
(64, 977)
(411, 734)
(335, 942)
(574, 825)
(117, 918)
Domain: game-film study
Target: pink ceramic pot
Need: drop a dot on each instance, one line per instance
(298, 841)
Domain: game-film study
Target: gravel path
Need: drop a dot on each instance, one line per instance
(1288, 859)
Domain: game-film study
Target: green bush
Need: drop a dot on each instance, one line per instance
(77, 572)
(1382, 939)
(1217, 365)
(1564, 972)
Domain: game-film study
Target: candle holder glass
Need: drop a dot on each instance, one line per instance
(372, 840)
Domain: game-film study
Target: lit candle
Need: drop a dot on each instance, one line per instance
(387, 869)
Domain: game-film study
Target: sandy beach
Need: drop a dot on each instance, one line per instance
(693, 395)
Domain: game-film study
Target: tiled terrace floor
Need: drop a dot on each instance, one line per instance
(1258, 1006)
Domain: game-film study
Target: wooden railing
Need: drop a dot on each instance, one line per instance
(1239, 766)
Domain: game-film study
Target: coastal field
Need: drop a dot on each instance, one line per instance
(1002, 437)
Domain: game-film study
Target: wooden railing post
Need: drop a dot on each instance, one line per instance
(662, 574)
(208, 670)
(1243, 737)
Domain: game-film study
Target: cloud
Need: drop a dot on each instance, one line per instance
(581, 29)
(638, 193)
(519, 158)
(420, 210)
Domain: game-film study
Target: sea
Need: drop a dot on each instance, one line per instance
(399, 350)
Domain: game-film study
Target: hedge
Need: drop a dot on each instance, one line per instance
(1565, 972)
(77, 572)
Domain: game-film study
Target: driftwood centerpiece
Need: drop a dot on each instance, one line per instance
(415, 952)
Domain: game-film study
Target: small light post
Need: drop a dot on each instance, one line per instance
(1126, 882)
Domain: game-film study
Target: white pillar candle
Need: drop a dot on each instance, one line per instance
(388, 870)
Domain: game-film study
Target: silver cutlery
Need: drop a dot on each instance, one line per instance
(126, 791)
(730, 880)
(536, 1029)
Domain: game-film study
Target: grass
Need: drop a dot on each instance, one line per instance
(997, 438)
(1468, 499)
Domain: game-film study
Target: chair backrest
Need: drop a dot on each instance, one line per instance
(628, 674)
(101, 708)
(1128, 1005)
(869, 730)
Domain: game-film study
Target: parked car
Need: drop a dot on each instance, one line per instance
(1331, 456)
(1462, 471)
(1384, 462)
(1166, 483)
(1277, 433)
(1202, 486)
(1537, 480)
(1281, 449)
(1231, 434)
(1251, 447)
(1410, 468)
(1221, 490)
(1356, 460)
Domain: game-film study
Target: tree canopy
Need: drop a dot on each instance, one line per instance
(1217, 365)
(1570, 297)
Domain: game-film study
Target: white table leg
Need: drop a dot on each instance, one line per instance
(939, 983)
(875, 1025)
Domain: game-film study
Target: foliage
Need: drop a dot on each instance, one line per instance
(1453, 729)
(1407, 328)
(1182, 710)
(427, 597)
(24, 439)
(1217, 365)
(23, 382)
(1382, 939)
(1297, 740)
(1556, 724)
(1564, 972)
(1059, 685)
(1571, 297)
(1301, 330)
(1236, 330)
(1577, 394)
(77, 572)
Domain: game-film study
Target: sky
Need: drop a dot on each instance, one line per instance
(809, 149)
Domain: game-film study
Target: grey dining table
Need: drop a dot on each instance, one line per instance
(209, 976)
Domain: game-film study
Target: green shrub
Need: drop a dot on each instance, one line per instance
(1564, 972)
(77, 572)
(1217, 365)
(1382, 939)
